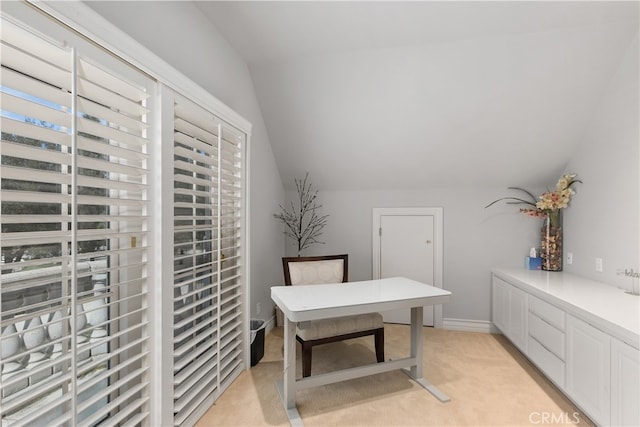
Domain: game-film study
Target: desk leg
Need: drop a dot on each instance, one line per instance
(416, 340)
(289, 364)
(417, 351)
(287, 387)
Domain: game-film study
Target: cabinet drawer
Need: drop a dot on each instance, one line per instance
(546, 311)
(547, 335)
(546, 361)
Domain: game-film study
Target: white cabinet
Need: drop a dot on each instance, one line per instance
(583, 335)
(588, 369)
(518, 318)
(500, 308)
(510, 312)
(546, 346)
(625, 384)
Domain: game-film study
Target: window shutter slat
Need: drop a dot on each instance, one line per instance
(93, 91)
(33, 219)
(96, 110)
(35, 67)
(10, 172)
(33, 87)
(112, 184)
(200, 148)
(116, 84)
(205, 360)
(26, 197)
(192, 180)
(47, 50)
(103, 131)
(23, 107)
(31, 131)
(192, 130)
(107, 149)
(200, 170)
(103, 165)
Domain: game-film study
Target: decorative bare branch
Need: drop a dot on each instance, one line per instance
(303, 224)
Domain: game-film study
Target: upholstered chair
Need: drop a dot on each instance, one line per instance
(317, 270)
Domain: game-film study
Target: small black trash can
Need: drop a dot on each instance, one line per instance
(257, 341)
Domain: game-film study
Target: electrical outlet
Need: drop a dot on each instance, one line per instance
(258, 308)
(569, 257)
(599, 265)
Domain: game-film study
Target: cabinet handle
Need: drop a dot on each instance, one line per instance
(546, 321)
(545, 347)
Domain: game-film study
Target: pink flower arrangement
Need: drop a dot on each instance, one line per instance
(549, 203)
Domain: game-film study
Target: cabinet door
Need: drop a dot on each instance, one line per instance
(625, 384)
(518, 318)
(500, 300)
(588, 369)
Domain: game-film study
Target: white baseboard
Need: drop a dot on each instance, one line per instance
(467, 325)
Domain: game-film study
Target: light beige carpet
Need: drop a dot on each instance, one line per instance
(489, 382)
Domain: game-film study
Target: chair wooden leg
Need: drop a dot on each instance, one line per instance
(379, 343)
(306, 359)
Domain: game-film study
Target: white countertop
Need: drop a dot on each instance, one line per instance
(603, 306)
(310, 302)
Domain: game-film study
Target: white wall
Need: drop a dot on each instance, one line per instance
(475, 239)
(604, 217)
(178, 33)
(428, 114)
(602, 221)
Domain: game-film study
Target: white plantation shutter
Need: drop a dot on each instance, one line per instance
(80, 220)
(74, 204)
(231, 250)
(209, 284)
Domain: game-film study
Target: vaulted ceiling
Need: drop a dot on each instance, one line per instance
(405, 95)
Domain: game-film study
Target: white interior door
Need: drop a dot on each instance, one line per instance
(408, 241)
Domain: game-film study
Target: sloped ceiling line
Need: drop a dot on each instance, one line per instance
(393, 95)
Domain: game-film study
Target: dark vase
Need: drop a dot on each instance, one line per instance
(551, 241)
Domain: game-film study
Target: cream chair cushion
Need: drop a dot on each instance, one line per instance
(322, 272)
(317, 329)
(316, 272)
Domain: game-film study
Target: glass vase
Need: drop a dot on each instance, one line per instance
(551, 241)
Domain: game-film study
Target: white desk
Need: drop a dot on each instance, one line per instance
(312, 302)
